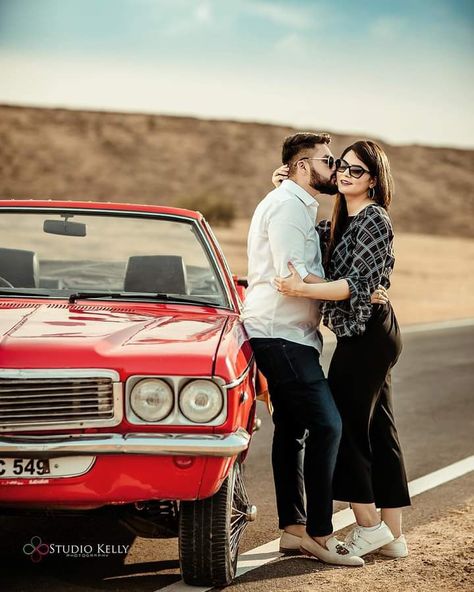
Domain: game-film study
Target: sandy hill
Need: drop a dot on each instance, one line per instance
(59, 153)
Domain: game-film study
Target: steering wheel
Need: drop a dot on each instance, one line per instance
(5, 283)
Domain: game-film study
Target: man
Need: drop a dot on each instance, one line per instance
(284, 334)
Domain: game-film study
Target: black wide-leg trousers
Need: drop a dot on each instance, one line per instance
(370, 466)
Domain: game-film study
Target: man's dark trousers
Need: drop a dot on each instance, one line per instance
(307, 432)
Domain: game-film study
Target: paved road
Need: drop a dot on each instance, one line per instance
(433, 388)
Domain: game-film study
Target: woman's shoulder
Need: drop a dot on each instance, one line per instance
(374, 214)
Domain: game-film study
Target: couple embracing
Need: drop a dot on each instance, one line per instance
(334, 438)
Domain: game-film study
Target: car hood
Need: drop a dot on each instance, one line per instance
(148, 338)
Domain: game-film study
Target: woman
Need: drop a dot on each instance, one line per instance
(357, 246)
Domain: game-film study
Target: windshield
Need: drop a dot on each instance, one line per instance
(62, 254)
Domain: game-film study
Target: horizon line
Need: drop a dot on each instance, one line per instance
(269, 123)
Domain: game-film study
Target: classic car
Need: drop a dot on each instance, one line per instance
(126, 377)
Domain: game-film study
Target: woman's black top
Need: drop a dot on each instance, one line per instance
(364, 257)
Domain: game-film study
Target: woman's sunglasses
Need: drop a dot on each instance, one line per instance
(355, 170)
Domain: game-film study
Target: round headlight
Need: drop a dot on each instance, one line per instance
(152, 399)
(201, 401)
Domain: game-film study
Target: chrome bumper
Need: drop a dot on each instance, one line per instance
(224, 445)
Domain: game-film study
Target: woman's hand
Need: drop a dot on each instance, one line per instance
(379, 296)
(280, 174)
(292, 285)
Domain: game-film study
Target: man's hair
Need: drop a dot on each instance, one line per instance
(293, 145)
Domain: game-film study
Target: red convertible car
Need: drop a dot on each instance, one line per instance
(126, 377)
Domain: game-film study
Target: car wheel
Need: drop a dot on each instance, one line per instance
(210, 531)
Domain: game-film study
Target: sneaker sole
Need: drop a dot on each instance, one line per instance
(393, 554)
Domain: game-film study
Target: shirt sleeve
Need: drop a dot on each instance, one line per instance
(372, 247)
(287, 233)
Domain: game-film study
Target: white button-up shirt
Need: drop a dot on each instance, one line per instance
(283, 230)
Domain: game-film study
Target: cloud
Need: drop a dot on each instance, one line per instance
(201, 16)
(203, 13)
(287, 16)
(388, 28)
(292, 43)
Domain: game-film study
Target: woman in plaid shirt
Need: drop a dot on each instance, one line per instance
(358, 253)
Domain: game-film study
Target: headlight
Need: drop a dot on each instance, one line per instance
(201, 401)
(152, 399)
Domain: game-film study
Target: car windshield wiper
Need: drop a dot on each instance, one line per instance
(134, 296)
(23, 293)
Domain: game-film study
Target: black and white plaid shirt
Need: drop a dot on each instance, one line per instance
(364, 257)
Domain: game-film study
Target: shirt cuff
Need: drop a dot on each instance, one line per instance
(302, 271)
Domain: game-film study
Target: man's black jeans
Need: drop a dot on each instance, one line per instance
(307, 432)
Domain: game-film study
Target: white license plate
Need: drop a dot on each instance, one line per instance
(33, 468)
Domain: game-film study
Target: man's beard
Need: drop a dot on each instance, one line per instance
(327, 186)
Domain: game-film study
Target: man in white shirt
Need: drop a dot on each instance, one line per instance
(284, 334)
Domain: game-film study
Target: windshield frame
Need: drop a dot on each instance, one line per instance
(198, 229)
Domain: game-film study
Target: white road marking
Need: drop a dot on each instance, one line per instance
(269, 551)
(457, 469)
(436, 326)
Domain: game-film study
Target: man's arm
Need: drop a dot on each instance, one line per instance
(287, 230)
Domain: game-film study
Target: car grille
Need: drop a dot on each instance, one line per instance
(42, 402)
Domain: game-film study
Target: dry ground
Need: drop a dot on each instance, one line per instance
(433, 278)
(440, 560)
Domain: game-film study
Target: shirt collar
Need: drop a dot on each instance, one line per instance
(301, 193)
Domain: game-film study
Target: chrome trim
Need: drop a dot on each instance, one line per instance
(59, 373)
(52, 373)
(175, 417)
(226, 265)
(217, 267)
(221, 445)
(242, 377)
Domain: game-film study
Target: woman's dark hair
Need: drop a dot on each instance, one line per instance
(376, 161)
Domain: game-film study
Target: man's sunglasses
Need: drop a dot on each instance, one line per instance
(329, 160)
(355, 170)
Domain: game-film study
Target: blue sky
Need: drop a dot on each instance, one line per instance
(400, 71)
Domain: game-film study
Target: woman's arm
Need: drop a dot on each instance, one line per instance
(362, 284)
(323, 289)
(280, 174)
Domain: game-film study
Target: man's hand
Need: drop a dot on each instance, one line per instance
(379, 296)
(280, 174)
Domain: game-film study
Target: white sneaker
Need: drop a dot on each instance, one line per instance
(397, 548)
(290, 543)
(361, 541)
(336, 552)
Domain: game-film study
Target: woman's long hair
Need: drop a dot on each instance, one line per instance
(376, 161)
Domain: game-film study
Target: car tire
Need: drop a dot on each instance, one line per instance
(210, 531)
